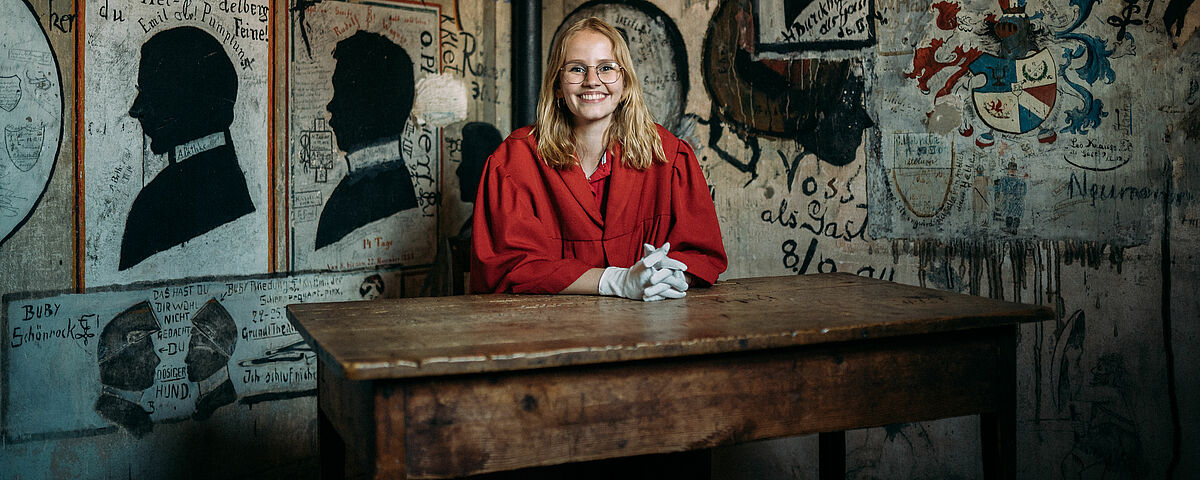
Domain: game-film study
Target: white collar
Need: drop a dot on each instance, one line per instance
(199, 145)
(130, 396)
(377, 154)
(213, 381)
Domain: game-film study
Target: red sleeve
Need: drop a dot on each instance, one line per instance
(513, 250)
(695, 235)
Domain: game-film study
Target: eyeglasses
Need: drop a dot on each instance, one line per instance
(608, 72)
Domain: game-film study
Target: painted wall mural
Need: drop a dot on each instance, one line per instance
(1012, 121)
(1021, 74)
(363, 177)
(819, 103)
(175, 112)
(31, 112)
(1033, 177)
(144, 356)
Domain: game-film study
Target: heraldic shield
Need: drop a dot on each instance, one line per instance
(1019, 93)
(10, 92)
(923, 170)
(24, 144)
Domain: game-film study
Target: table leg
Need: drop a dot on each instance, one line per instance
(999, 429)
(831, 453)
(331, 449)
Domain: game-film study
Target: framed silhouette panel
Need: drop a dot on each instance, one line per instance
(363, 173)
(175, 158)
(95, 363)
(31, 113)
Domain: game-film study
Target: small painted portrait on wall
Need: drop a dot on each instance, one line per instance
(127, 362)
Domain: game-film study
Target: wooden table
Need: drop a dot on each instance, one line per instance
(455, 386)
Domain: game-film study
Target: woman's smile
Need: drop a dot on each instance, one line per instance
(590, 100)
(593, 97)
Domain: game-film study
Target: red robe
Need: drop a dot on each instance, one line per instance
(537, 229)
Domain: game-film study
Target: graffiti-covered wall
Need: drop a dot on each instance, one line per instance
(174, 173)
(1036, 151)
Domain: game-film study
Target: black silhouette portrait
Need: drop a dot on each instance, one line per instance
(479, 141)
(214, 336)
(186, 91)
(373, 90)
(453, 258)
(127, 362)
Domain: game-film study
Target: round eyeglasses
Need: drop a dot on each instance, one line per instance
(575, 73)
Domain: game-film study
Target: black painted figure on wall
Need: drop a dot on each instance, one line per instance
(214, 336)
(186, 91)
(373, 89)
(127, 363)
(479, 140)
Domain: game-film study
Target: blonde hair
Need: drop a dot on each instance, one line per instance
(632, 124)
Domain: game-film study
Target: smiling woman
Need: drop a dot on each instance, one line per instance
(595, 198)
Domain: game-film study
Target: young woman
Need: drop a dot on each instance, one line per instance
(595, 198)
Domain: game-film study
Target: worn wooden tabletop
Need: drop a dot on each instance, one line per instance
(417, 337)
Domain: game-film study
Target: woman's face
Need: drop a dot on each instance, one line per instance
(592, 100)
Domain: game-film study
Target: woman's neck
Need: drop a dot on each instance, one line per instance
(589, 145)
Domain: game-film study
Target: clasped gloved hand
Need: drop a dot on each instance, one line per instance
(652, 278)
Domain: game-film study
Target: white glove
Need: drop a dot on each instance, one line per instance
(677, 267)
(644, 280)
(667, 286)
(668, 281)
(630, 282)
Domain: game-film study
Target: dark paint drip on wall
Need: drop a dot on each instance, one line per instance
(1091, 254)
(1019, 255)
(1167, 329)
(936, 259)
(1034, 267)
(980, 259)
